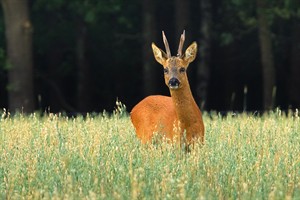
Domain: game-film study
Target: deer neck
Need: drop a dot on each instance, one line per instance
(185, 105)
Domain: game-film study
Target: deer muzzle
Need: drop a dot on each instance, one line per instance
(174, 83)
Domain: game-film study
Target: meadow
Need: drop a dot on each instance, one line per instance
(52, 156)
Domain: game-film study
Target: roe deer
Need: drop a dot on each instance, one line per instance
(175, 117)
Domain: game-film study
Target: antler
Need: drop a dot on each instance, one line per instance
(166, 45)
(182, 38)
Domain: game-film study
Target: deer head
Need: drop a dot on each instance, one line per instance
(175, 66)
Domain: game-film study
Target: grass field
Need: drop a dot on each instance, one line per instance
(99, 157)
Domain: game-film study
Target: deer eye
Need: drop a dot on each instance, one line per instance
(166, 70)
(182, 70)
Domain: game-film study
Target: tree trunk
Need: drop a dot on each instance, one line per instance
(148, 37)
(203, 73)
(18, 32)
(294, 81)
(83, 88)
(267, 61)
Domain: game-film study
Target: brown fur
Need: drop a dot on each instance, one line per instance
(174, 117)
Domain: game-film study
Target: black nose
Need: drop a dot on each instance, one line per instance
(174, 83)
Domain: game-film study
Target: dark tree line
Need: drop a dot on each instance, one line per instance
(80, 56)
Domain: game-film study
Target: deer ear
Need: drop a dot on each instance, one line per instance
(159, 55)
(190, 53)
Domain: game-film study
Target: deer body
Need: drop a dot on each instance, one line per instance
(177, 117)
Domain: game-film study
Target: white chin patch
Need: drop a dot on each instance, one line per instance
(174, 87)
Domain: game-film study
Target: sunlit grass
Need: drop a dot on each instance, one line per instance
(99, 157)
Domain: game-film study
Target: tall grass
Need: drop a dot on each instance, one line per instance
(99, 157)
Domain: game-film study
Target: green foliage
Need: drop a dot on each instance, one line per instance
(240, 16)
(99, 157)
(226, 38)
(89, 10)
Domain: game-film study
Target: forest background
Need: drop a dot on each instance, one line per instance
(80, 56)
